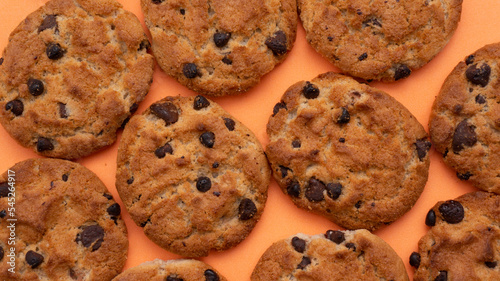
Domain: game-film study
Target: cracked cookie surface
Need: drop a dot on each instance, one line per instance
(218, 47)
(347, 151)
(191, 176)
(71, 74)
(68, 227)
(379, 39)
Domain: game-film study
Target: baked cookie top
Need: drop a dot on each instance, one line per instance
(465, 119)
(347, 151)
(336, 255)
(191, 176)
(172, 270)
(72, 73)
(379, 39)
(67, 225)
(220, 47)
(463, 242)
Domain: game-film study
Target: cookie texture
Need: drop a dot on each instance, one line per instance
(347, 151)
(172, 270)
(191, 176)
(67, 225)
(463, 242)
(336, 255)
(220, 47)
(72, 73)
(465, 119)
(379, 39)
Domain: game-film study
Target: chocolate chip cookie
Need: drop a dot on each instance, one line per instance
(193, 177)
(58, 222)
(379, 39)
(336, 255)
(463, 242)
(347, 151)
(220, 47)
(465, 120)
(72, 73)
(172, 270)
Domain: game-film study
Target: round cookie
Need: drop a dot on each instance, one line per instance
(463, 242)
(65, 223)
(336, 255)
(72, 73)
(465, 119)
(191, 176)
(379, 39)
(172, 270)
(220, 47)
(347, 151)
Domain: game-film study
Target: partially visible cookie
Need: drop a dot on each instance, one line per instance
(336, 255)
(72, 73)
(65, 223)
(191, 176)
(465, 120)
(347, 151)
(172, 270)
(220, 47)
(379, 39)
(463, 242)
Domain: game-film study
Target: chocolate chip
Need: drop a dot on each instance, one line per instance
(221, 38)
(114, 210)
(284, 171)
(247, 209)
(92, 235)
(452, 211)
(35, 87)
(372, 22)
(203, 184)
(131, 180)
(293, 188)
(478, 76)
(401, 71)
(229, 123)
(480, 99)
(443, 276)
(211, 275)
(304, 263)
(430, 218)
(190, 70)
(1, 253)
(423, 146)
(296, 144)
(277, 43)
(54, 51)
(335, 236)
(4, 189)
(174, 277)
(15, 106)
(330, 38)
(72, 274)
(358, 204)
(469, 59)
(145, 45)
(363, 56)
(310, 91)
(157, 1)
(207, 139)
(200, 102)
(161, 151)
(65, 177)
(465, 176)
(182, 11)
(1, 61)
(166, 111)
(63, 113)
(44, 144)
(227, 60)
(298, 244)
(334, 190)
(34, 259)
(415, 259)
(3, 214)
(279, 106)
(342, 140)
(215, 165)
(314, 190)
(345, 117)
(464, 136)
(351, 246)
(48, 22)
(489, 264)
(107, 196)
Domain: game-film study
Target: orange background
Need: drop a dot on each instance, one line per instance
(478, 26)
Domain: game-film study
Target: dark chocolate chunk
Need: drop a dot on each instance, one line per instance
(464, 136)
(35, 87)
(336, 236)
(279, 106)
(284, 171)
(190, 70)
(415, 260)
(157, 1)
(489, 264)
(34, 259)
(229, 123)
(478, 76)
(48, 22)
(161, 151)
(277, 43)
(298, 244)
(173, 277)
(304, 263)
(345, 117)
(91, 235)
(342, 140)
(44, 144)
(166, 111)
(465, 176)
(363, 56)
(15, 106)
(203, 184)
(293, 188)
(182, 11)
(334, 190)
(443, 276)
(401, 71)
(133, 108)
(423, 146)
(215, 165)
(310, 91)
(207, 139)
(430, 218)
(330, 38)
(145, 45)
(63, 113)
(221, 38)
(358, 204)
(351, 246)
(314, 190)
(1, 253)
(3, 214)
(54, 51)
(246, 209)
(114, 210)
(452, 211)
(200, 102)
(65, 177)
(211, 275)
(469, 59)
(227, 60)
(130, 180)
(480, 99)
(296, 144)
(4, 189)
